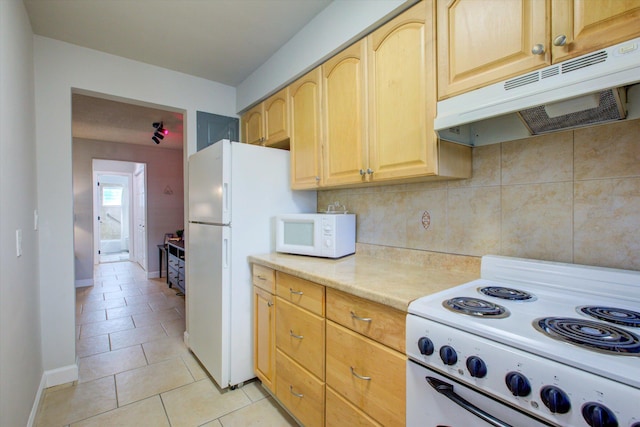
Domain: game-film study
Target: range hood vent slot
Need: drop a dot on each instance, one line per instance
(609, 108)
(585, 61)
(527, 79)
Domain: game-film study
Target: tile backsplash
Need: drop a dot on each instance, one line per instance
(572, 196)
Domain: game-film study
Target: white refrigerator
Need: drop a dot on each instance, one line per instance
(235, 191)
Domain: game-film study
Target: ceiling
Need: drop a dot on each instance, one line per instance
(219, 40)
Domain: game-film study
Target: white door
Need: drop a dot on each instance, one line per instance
(139, 216)
(208, 300)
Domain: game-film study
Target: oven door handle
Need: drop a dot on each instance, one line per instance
(446, 389)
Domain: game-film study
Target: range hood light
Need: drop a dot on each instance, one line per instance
(573, 105)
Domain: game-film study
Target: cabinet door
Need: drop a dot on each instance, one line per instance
(482, 42)
(276, 118)
(265, 338)
(252, 125)
(591, 25)
(344, 116)
(402, 97)
(304, 99)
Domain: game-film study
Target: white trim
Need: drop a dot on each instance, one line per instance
(84, 283)
(153, 274)
(36, 402)
(63, 375)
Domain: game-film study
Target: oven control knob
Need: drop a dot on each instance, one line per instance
(426, 346)
(518, 384)
(555, 399)
(596, 414)
(476, 366)
(448, 355)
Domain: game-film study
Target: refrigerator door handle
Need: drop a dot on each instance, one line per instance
(225, 253)
(225, 197)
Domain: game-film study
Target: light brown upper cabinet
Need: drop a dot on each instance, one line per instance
(483, 42)
(345, 116)
(304, 101)
(591, 25)
(401, 69)
(268, 122)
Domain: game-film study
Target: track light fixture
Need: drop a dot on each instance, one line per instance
(159, 133)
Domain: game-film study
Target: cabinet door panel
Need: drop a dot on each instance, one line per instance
(592, 25)
(264, 338)
(304, 99)
(402, 96)
(252, 131)
(345, 143)
(482, 42)
(276, 117)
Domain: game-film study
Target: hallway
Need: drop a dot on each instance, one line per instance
(134, 369)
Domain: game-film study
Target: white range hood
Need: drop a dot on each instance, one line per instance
(587, 90)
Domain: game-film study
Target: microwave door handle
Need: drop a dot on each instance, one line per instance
(446, 389)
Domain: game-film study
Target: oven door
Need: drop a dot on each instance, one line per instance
(456, 405)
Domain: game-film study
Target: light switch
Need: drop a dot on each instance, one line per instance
(18, 242)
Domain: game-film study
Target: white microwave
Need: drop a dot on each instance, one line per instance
(321, 235)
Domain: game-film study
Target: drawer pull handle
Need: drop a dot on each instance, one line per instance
(261, 278)
(300, 395)
(295, 292)
(362, 319)
(355, 374)
(298, 337)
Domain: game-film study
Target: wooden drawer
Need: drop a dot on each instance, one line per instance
(300, 292)
(300, 334)
(265, 278)
(382, 395)
(299, 391)
(340, 412)
(379, 322)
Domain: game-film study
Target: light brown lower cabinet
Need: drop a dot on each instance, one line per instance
(299, 391)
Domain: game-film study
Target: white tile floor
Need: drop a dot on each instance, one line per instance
(134, 369)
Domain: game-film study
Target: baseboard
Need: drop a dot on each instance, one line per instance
(84, 283)
(153, 274)
(185, 337)
(66, 374)
(37, 401)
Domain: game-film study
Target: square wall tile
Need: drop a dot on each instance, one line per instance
(537, 221)
(473, 221)
(486, 161)
(609, 151)
(607, 223)
(547, 158)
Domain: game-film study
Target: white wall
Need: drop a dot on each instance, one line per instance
(333, 29)
(20, 352)
(59, 67)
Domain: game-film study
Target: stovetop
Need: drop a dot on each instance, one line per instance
(548, 305)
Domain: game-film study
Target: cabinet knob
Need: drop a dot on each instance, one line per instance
(561, 40)
(317, 179)
(269, 304)
(537, 49)
(362, 172)
(369, 171)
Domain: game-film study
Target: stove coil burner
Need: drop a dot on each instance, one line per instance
(590, 335)
(507, 293)
(619, 316)
(475, 307)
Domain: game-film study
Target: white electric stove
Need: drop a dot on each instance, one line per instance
(532, 342)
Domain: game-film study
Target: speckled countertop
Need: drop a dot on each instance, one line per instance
(389, 276)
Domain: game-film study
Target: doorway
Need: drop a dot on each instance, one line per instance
(119, 212)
